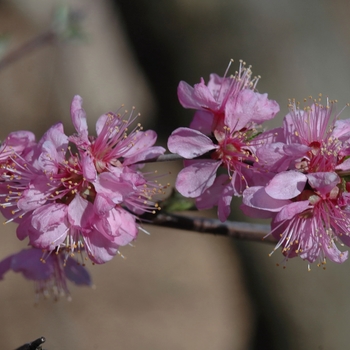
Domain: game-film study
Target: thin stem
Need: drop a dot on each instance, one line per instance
(240, 230)
(30, 46)
(173, 156)
(162, 158)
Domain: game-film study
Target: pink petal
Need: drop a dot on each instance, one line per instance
(80, 212)
(256, 213)
(28, 262)
(211, 195)
(51, 238)
(115, 188)
(79, 118)
(101, 123)
(221, 87)
(323, 182)
(35, 195)
(102, 204)
(198, 97)
(193, 180)
(342, 130)
(202, 121)
(150, 153)
(50, 221)
(344, 166)
(248, 106)
(272, 157)
(141, 141)
(118, 226)
(99, 248)
(256, 197)
(21, 138)
(56, 136)
(48, 160)
(77, 273)
(333, 253)
(88, 165)
(295, 151)
(189, 143)
(19, 142)
(128, 230)
(286, 185)
(241, 181)
(5, 266)
(22, 228)
(224, 205)
(292, 209)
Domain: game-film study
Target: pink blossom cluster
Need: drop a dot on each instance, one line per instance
(297, 174)
(307, 195)
(77, 194)
(226, 125)
(81, 196)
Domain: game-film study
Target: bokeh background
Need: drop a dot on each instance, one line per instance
(177, 289)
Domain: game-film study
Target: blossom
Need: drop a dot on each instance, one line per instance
(113, 146)
(62, 212)
(313, 141)
(24, 181)
(310, 214)
(233, 112)
(50, 273)
(307, 192)
(17, 143)
(213, 101)
(86, 201)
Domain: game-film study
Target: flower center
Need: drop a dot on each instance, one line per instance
(232, 150)
(71, 182)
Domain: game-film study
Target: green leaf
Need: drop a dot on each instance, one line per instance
(177, 202)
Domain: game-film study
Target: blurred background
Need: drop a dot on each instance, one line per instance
(176, 289)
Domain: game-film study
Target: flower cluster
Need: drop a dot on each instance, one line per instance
(225, 125)
(83, 195)
(79, 193)
(308, 196)
(297, 174)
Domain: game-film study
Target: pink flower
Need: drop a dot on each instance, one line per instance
(223, 128)
(230, 147)
(50, 274)
(308, 195)
(226, 102)
(310, 214)
(210, 100)
(25, 177)
(62, 211)
(86, 201)
(314, 141)
(113, 146)
(18, 143)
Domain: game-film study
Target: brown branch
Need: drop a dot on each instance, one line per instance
(240, 230)
(43, 39)
(173, 156)
(164, 158)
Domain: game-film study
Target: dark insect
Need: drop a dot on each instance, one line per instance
(34, 345)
